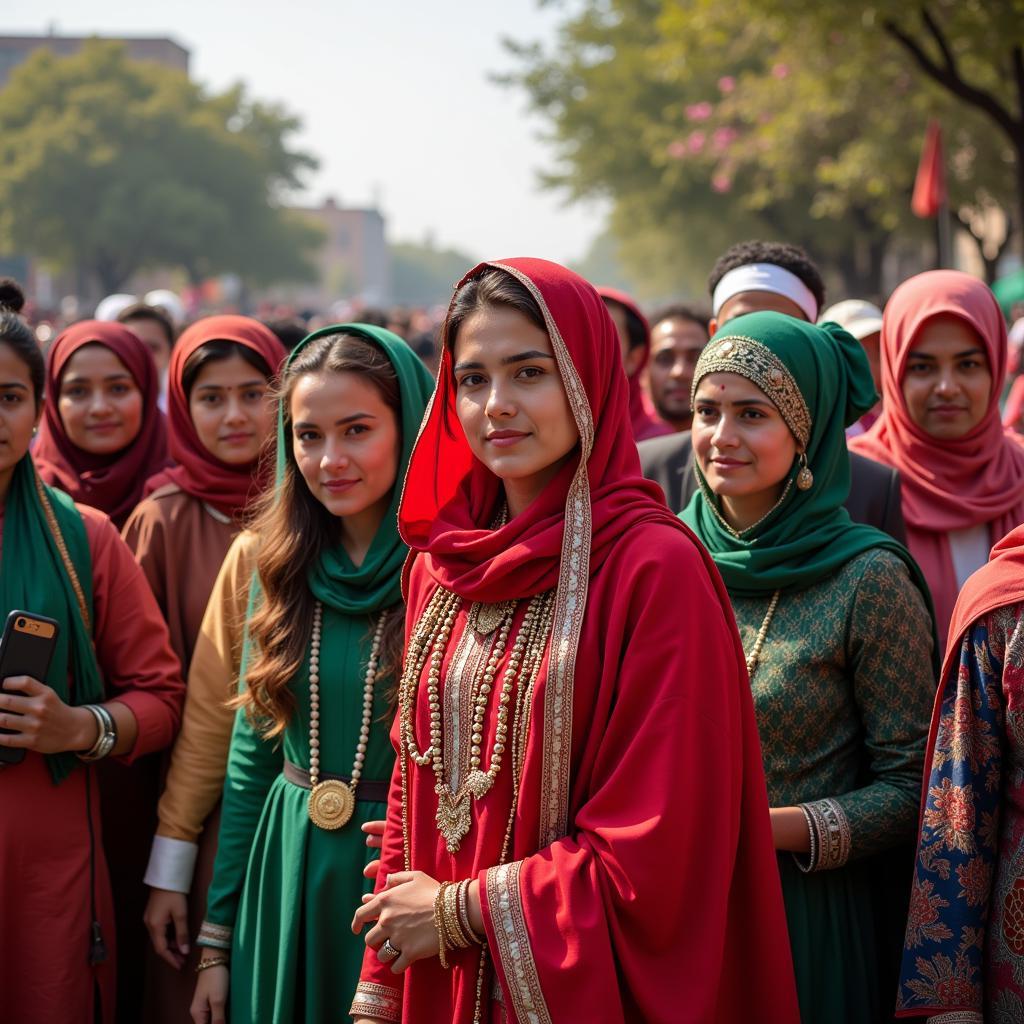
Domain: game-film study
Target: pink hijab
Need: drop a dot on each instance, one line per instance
(947, 485)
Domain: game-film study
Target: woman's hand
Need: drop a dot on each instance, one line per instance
(164, 910)
(41, 720)
(789, 830)
(375, 840)
(209, 1004)
(404, 912)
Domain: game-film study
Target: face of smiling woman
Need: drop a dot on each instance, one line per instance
(511, 402)
(99, 403)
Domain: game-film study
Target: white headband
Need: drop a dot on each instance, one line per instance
(765, 277)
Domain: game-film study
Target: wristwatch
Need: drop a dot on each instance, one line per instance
(106, 740)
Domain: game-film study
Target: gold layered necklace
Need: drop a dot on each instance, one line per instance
(332, 802)
(427, 648)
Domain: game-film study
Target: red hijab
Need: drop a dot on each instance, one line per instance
(111, 483)
(588, 505)
(198, 471)
(642, 415)
(947, 485)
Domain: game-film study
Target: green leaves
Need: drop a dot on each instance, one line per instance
(117, 166)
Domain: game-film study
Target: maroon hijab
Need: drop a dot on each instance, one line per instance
(642, 415)
(199, 472)
(112, 483)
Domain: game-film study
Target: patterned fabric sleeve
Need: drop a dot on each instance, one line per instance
(942, 970)
(889, 656)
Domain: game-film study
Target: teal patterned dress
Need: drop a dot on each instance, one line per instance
(843, 695)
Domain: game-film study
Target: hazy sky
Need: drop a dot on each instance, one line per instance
(395, 99)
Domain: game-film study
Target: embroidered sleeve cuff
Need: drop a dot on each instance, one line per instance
(829, 834)
(957, 1017)
(171, 863)
(382, 1002)
(216, 936)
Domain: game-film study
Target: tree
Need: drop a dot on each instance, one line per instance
(707, 123)
(113, 166)
(423, 275)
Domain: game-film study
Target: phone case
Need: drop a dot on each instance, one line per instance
(26, 649)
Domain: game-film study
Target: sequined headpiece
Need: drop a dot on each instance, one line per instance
(760, 365)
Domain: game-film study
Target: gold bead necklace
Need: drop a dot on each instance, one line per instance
(332, 802)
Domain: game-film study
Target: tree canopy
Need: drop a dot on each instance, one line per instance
(112, 166)
(707, 123)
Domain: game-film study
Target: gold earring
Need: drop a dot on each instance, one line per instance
(805, 478)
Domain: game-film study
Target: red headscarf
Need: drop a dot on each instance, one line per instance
(947, 485)
(592, 500)
(642, 415)
(198, 471)
(111, 483)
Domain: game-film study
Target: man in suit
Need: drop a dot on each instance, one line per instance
(748, 278)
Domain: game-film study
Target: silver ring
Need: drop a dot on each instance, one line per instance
(388, 952)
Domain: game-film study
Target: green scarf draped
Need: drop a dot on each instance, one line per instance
(809, 535)
(33, 578)
(343, 588)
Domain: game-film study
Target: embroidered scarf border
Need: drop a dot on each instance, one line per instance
(513, 942)
(570, 596)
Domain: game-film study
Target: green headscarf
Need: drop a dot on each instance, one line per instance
(33, 578)
(377, 583)
(809, 535)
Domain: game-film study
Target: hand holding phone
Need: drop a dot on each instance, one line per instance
(26, 650)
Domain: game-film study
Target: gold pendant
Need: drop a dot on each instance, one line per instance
(452, 816)
(486, 618)
(331, 804)
(479, 783)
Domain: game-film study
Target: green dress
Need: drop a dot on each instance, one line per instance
(286, 888)
(284, 891)
(843, 694)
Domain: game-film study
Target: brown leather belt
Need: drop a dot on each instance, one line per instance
(367, 790)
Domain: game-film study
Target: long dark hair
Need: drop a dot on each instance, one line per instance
(16, 333)
(293, 529)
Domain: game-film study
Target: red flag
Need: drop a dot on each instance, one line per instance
(930, 184)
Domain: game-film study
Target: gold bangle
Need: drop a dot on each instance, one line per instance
(214, 961)
(439, 925)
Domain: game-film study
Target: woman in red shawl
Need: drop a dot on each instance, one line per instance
(964, 949)
(635, 341)
(943, 364)
(577, 825)
(220, 416)
(102, 434)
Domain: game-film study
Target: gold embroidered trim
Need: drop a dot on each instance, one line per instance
(62, 548)
(513, 940)
(750, 358)
(832, 837)
(216, 936)
(570, 595)
(958, 1017)
(380, 1001)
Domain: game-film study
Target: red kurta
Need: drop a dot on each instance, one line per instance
(45, 975)
(641, 881)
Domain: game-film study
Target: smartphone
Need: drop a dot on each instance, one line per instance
(26, 649)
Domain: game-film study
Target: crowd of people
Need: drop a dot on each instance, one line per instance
(557, 665)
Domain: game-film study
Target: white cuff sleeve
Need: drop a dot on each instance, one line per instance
(171, 863)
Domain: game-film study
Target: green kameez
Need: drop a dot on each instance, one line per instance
(288, 887)
(843, 696)
(284, 891)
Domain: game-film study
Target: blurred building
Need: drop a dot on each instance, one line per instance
(14, 50)
(353, 262)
